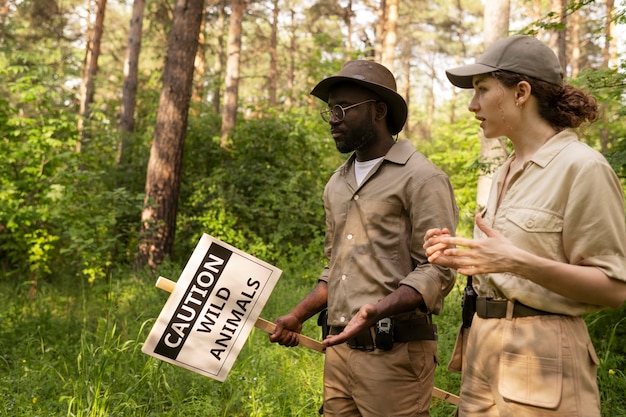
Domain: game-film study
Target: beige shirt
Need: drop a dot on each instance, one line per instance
(567, 205)
(375, 232)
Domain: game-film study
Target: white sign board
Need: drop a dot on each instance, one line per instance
(210, 314)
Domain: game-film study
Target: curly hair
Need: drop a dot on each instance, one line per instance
(563, 107)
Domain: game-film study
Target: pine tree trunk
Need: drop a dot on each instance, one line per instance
(90, 69)
(158, 219)
(492, 150)
(233, 52)
(131, 71)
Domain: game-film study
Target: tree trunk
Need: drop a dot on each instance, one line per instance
(273, 74)
(574, 29)
(291, 69)
(557, 37)
(129, 89)
(389, 43)
(492, 150)
(233, 52)
(218, 67)
(347, 18)
(606, 63)
(158, 218)
(406, 69)
(380, 30)
(199, 65)
(90, 69)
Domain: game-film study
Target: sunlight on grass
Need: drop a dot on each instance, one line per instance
(75, 351)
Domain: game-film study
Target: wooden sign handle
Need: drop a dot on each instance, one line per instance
(269, 327)
(265, 325)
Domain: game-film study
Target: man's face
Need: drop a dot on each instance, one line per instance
(356, 131)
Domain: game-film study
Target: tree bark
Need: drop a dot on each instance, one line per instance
(129, 88)
(492, 150)
(218, 67)
(233, 52)
(391, 25)
(158, 218)
(90, 69)
(273, 74)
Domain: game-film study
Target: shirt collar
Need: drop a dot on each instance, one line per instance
(552, 147)
(399, 154)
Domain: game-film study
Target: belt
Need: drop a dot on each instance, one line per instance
(488, 308)
(419, 328)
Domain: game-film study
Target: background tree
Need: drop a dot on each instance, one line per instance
(158, 218)
(233, 54)
(492, 150)
(90, 69)
(131, 73)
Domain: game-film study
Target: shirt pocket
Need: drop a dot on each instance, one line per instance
(383, 225)
(537, 229)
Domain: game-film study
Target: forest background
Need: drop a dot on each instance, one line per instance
(128, 129)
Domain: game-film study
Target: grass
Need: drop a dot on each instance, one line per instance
(74, 349)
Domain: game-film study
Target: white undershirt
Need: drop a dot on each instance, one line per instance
(361, 169)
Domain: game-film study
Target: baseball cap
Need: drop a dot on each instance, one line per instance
(521, 54)
(374, 77)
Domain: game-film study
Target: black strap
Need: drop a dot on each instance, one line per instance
(468, 303)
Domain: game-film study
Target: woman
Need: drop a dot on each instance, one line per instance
(549, 247)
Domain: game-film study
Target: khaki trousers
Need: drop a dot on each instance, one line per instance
(394, 383)
(529, 367)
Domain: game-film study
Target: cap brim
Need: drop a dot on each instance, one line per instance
(462, 76)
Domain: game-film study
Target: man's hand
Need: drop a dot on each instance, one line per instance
(363, 319)
(287, 329)
(434, 245)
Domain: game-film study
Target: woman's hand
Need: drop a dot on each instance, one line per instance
(494, 253)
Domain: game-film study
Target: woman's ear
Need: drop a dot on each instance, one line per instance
(522, 93)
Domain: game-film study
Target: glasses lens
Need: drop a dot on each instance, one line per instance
(325, 113)
(338, 112)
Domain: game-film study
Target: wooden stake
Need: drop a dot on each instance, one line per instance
(269, 327)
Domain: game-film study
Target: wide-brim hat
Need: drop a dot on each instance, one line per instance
(520, 54)
(374, 77)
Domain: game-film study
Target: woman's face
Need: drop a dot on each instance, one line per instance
(494, 105)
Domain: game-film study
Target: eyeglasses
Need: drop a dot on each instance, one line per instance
(339, 112)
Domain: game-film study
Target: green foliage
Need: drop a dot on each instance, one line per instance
(263, 194)
(36, 144)
(607, 329)
(56, 204)
(455, 149)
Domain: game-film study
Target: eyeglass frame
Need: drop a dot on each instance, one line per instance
(327, 114)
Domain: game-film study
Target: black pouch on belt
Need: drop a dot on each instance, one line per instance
(322, 321)
(469, 303)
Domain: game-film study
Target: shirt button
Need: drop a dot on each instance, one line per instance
(342, 319)
(350, 236)
(343, 277)
(530, 223)
(356, 197)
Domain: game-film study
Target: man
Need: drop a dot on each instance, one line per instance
(379, 288)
